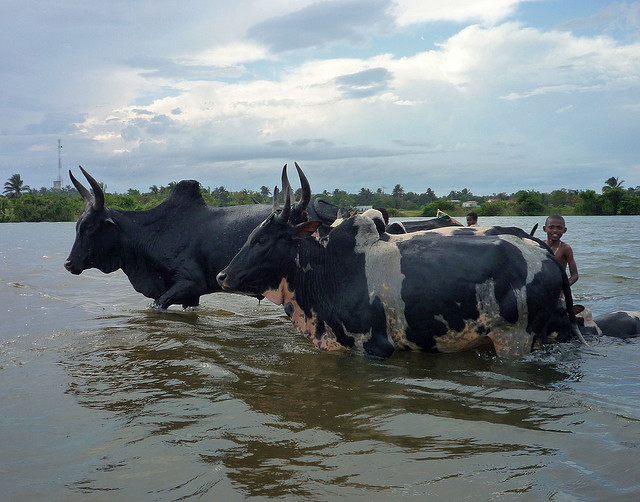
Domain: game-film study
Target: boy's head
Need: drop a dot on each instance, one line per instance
(472, 218)
(555, 227)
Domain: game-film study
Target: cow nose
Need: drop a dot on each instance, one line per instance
(69, 265)
(221, 277)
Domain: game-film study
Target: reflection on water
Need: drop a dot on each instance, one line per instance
(274, 417)
(106, 398)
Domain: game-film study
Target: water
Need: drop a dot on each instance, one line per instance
(103, 399)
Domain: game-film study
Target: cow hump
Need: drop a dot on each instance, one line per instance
(187, 190)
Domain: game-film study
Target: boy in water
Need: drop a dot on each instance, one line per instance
(472, 219)
(555, 229)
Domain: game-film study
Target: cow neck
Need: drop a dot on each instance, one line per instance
(136, 236)
(315, 278)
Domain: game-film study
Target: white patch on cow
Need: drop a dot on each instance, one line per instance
(384, 280)
(373, 214)
(587, 316)
(508, 339)
(366, 235)
(630, 313)
(533, 253)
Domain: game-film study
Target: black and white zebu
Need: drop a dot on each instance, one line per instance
(442, 290)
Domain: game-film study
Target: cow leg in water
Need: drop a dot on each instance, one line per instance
(179, 290)
(379, 345)
(511, 343)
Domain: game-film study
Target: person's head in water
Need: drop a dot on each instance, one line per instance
(472, 218)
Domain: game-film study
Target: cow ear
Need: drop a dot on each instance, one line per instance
(305, 229)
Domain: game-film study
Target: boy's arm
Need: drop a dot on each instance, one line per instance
(573, 268)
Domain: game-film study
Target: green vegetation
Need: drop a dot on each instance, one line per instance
(21, 203)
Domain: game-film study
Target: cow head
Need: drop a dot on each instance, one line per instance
(97, 236)
(269, 253)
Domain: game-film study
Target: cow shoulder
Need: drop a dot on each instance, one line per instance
(355, 233)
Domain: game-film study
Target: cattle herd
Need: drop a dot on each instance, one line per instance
(344, 280)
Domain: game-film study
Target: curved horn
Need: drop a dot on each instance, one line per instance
(86, 194)
(286, 210)
(276, 206)
(306, 189)
(98, 194)
(286, 186)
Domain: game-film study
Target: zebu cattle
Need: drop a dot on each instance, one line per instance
(407, 227)
(443, 290)
(619, 324)
(170, 253)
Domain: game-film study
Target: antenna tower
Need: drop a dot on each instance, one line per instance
(57, 184)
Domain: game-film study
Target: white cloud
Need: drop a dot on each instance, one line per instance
(342, 99)
(231, 54)
(409, 12)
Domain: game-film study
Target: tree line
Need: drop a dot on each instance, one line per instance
(20, 203)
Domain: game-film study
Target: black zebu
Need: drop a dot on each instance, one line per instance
(172, 252)
(442, 290)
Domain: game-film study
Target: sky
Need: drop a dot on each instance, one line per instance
(489, 95)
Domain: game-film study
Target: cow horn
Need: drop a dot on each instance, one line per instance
(276, 205)
(98, 194)
(306, 189)
(286, 186)
(86, 194)
(286, 210)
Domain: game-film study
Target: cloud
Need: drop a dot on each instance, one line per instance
(409, 12)
(618, 17)
(414, 90)
(364, 83)
(55, 124)
(172, 69)
(321, 23)
(455, 90)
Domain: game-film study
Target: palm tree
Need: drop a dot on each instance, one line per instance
(612, 193)
(15, 186)
(612, 183)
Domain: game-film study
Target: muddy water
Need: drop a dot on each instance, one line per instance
(102, 398)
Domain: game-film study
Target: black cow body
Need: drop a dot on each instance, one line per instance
(170, 253)
(407, 227)
(442, 290)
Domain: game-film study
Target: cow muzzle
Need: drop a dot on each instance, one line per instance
(71, 267)
(222, 279)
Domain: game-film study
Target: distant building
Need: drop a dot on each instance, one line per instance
(470, 204)
(362, 209)
(454, 201)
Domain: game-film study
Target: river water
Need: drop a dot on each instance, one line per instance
(102, 398)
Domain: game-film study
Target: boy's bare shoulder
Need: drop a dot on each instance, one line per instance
(565, 249)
